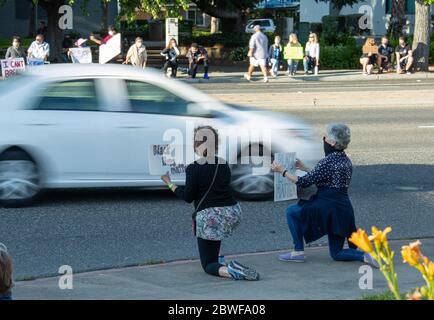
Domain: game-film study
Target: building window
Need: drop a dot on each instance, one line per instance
(409, 6)
(196, 16)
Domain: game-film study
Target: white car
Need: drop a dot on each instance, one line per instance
(75, 126)
(267, 25)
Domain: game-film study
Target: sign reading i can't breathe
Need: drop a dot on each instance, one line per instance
(11, 67)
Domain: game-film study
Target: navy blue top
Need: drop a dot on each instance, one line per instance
(330, 210)
(333, 171)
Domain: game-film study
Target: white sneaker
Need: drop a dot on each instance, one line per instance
(265, 79)
(247, 77)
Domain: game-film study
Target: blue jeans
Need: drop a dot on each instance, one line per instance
(292, 65)
(275, 63)
(336, 243)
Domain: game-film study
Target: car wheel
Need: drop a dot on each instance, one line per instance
(19, 179)
(248, 185)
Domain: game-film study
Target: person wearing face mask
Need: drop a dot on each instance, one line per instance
(111, 33)
(137, 54)
(329, 212)
(16, 51)
(217, 213)
(39, 49)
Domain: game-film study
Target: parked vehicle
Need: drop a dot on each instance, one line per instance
(79, 126)
(267, 25)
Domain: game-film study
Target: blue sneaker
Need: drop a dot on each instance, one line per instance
(292, 257)
(222, 260)
(206, 76)
(367, 258)
(240, 272)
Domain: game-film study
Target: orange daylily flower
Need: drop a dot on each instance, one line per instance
(411, 253)
(415, 296)
(361, 240)
(431, 270)
(379, 236)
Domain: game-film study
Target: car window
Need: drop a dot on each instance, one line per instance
(264, 23)
(148, 98)
(74, 95)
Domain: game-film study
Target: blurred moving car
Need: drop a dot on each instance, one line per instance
(267, 25)
(75, 126)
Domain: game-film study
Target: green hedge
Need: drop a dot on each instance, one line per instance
(340, 57)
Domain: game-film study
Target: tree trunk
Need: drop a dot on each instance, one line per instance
(54, 33)
(215, 25)
(105, 12)
(421, 39)
(32, 20)
(397, 19)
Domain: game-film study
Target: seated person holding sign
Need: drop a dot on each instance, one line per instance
(197, 55)
(16, 51)
(329, 212)
(293, 53)
(39, 49)
(111, 33)
(369, 56)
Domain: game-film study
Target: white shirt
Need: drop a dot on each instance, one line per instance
(312, 50)
(39, 51)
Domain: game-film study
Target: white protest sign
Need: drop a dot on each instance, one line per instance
(110, 50)
(81, 55)
(162, 160)
(283, 188)
(11, 67)
(172, 29)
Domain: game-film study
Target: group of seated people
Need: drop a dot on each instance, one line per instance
(385, 56)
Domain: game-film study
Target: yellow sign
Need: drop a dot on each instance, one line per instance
(294, 53)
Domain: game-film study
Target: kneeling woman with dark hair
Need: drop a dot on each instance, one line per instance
(217, 213)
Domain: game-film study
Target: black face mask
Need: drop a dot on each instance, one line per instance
(328, 148)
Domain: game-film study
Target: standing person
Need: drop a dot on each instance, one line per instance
(293, 63)
(369, 56)
(404, 56)
(330, 211)
(6, 282)
(276, 54)
(111, 32)
(197, 55)
(171, 53)
(311, 58)
(258, 53)
(217, 213)
(385, 52)
(137, 54)
(42, 28)
(15, 51)
(39, 49)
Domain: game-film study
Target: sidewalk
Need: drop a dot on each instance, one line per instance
(318, 278)
(222, 74)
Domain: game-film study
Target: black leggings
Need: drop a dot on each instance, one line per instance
(171, 64)
(209, 255)
(195, 65)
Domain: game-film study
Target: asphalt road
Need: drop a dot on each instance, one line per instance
(392, 150)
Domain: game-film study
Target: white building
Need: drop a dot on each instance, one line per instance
(312, 12)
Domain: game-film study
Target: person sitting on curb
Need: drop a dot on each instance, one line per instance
(39, 49)
(171, 53)
(16, 51)
(217, 213)
(329, 211)
(197, 55)
(137, 54)
(311, 58)
(293, 63)
(369, 56)
(384, 57)
(6, 282)
(404, 56)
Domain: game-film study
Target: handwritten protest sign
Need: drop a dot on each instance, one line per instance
(283, 188)
(81, 55)
(110, 50)
(12, 67)
(162, 159)
(293, 53)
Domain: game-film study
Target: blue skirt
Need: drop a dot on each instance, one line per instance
(329, 211)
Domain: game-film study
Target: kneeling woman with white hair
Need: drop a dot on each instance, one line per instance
(329, 212)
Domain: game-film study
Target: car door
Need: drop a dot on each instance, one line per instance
(63, 124)
(151, 118)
